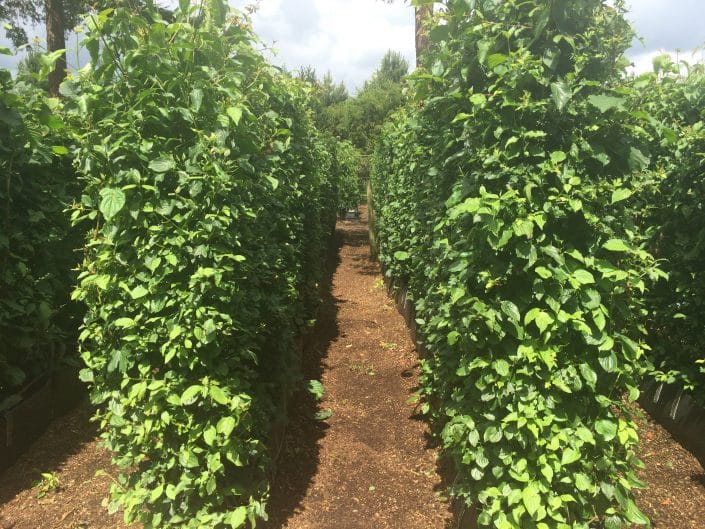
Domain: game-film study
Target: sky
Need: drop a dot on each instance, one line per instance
(349, 37)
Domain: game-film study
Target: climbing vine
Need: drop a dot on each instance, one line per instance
(506, 198)
(35, 237)
(210, 202)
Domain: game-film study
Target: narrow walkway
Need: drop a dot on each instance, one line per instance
(367, 466)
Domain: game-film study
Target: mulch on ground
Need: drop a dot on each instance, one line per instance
(367, 465)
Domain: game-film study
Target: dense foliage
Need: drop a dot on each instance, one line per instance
(359, 119)
(676, 219)
(35, 236)
(505, 199)
(211, 204)
(348, 160)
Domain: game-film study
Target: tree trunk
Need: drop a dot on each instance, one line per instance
(56, 40)
(423, 16)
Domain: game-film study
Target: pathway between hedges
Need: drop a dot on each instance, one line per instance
(369, 464)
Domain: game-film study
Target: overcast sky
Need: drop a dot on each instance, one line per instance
(349, 37)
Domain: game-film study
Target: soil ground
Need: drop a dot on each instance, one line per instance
(367, 466)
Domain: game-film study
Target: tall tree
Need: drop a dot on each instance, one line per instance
(423, 17)
(56, 40)
(57, 15)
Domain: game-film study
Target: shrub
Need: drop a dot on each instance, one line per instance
(36, 244)
(505, 199)
(211, 203)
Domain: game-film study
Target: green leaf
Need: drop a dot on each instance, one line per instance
(588, 374)
(582, 482)
(272, 181)
(225, 426)
(188, 459)
(558, 157)
(401, 256)
(613, 522)
(583, 277)
(323, 415)
(235, 114)
(162, 164)
(604, 102)
(511, 310)
(608, 362)
(316, 388)
(453, 337)
(125, 323)
(570, 455)
(218, 394)
(562, 93)
(621, 194)
(138, 292)
(196, 99)
(189, 396)
(616, 245)
(638, 161)
(634, 515)
(209, 435)
(113, 200)
(606, 428)
(532, 499)
(237, 518)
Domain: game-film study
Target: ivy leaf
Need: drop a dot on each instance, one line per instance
(401, 256)
(113, 200)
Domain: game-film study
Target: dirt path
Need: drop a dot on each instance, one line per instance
(368, 465)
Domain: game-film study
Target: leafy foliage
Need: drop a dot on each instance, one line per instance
(675, 218)
(505, 200)
(348, 161)
(211, 200)
(35, 236)
(359, 119)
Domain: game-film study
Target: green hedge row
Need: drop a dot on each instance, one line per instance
(506, 199)
(675, 218)
(36, 240)
(210, 200)
(348, 159)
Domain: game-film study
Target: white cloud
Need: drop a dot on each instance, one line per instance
(349, 37)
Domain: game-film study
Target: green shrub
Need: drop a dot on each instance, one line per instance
(674, 216)
(348, 160)
(505, 200)
(211, 204)
(36, 244)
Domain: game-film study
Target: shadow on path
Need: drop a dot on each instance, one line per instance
(299, 456)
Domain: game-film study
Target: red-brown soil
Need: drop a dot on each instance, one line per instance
(367, 466)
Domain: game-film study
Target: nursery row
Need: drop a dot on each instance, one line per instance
(536, 201)
(207, 199)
